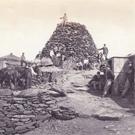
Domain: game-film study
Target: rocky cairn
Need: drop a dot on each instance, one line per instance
(71, 39)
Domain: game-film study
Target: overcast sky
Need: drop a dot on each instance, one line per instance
(26, 25)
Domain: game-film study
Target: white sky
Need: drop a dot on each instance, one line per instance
(26, 25)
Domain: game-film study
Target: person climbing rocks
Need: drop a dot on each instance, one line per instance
(105, 51)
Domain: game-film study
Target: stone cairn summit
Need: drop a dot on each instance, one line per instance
(71, 39)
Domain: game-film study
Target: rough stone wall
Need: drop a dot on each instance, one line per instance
(22, 114)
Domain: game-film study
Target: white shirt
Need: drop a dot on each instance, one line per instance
(32, 71)
(58, 55)
(4, 64)
(51, 53)
(86, 61)
(80, 64)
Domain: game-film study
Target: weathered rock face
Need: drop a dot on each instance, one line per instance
(71, 39)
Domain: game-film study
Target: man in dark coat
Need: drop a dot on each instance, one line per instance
(28, 77)
(95, 82)
(105, 51)
(130, 78)
(109, 77)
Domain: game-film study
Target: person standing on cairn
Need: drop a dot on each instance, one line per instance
(64, 19)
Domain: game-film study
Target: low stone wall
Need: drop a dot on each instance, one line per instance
(19, 115)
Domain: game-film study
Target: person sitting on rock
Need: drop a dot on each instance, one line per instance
(95, 82)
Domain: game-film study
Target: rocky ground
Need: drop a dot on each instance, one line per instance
(96, 115)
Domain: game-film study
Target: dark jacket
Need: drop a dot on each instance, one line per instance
(96, 78)
(109, 74)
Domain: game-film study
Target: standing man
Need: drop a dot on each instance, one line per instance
(64, 19)
(28, 77)
(130, 78)
(109, 77)
(105, 51)
(23, 59)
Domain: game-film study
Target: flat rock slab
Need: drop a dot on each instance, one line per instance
(108, 114)
(29, 92)
(5, 92)
(84, 88)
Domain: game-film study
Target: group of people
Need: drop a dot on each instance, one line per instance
(84, 64)
(33, 69)
(103, 81)
(104, 78)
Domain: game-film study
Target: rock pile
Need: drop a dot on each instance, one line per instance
(71, 39)
(22, 114)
